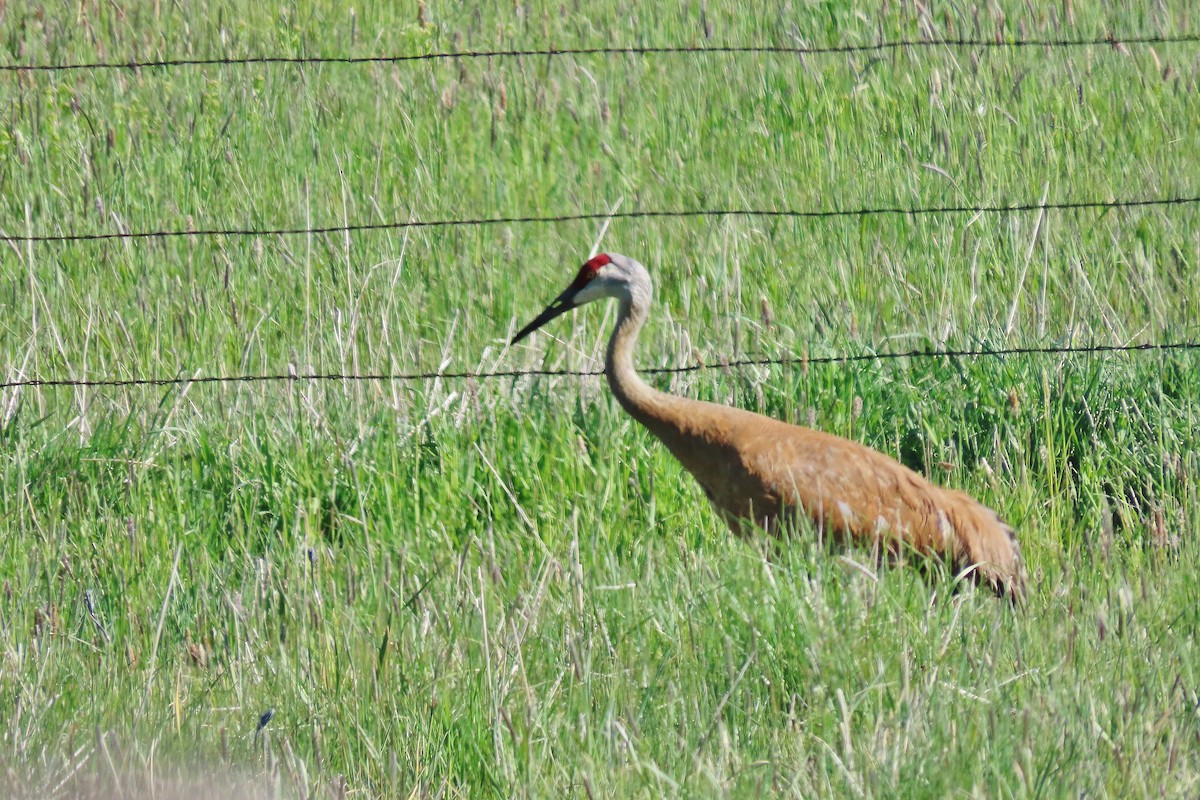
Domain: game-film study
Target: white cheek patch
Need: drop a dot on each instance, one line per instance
(589, 293)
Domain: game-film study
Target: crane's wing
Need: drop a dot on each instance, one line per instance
(757, 468)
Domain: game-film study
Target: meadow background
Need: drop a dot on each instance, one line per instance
(504, 587)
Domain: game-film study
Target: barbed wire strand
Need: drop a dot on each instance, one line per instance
(608, 215)
(557, 373)
(1112, 40)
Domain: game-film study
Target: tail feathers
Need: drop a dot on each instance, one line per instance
(986, 546)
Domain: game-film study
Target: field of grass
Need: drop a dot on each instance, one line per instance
(505, 587)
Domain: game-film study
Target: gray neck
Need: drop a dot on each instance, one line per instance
(645, 404)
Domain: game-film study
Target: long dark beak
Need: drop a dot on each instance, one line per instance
(561, 305)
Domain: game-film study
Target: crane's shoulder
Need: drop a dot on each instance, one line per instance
(752, 453)
(757, 436)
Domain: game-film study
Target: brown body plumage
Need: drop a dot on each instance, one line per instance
(765, 472)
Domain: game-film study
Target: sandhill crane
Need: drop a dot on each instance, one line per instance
(762, 471)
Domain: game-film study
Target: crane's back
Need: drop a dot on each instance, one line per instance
(760, 470)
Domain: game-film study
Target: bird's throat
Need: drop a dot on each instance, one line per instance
(644, 403)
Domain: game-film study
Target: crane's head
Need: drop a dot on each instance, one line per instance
(603, 275)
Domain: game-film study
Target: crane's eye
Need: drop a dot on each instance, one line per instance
(589, 270)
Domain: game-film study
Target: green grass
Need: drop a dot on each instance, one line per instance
(506, 588)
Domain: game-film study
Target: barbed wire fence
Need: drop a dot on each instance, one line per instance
(1069, 205)
(1110, 40)
(293, 376)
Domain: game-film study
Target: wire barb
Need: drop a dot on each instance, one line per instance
(292, 377)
